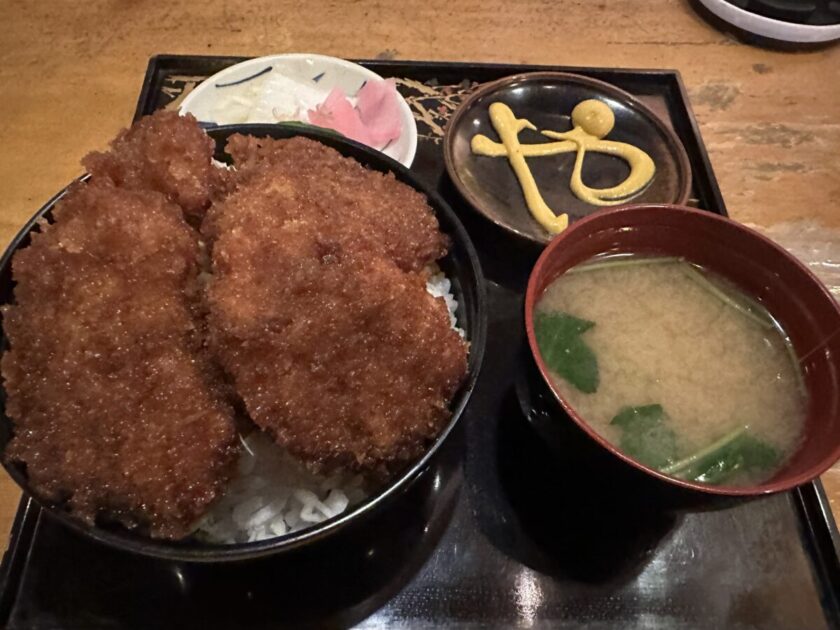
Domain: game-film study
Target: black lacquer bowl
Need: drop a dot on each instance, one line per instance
(462, 267)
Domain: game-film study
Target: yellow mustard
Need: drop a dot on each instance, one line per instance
(592, 120)
(508, 128)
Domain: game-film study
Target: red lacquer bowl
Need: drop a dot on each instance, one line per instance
(760, 268)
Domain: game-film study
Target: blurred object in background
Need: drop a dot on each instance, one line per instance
(816, 245)
(785, 24)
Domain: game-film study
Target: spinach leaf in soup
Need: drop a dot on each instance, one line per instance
(563, 350)
(742, 454)
(645, 436)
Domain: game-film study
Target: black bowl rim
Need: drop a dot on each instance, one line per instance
(206, 552)
(683, 163)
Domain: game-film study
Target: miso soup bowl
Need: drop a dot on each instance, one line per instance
(761, 269)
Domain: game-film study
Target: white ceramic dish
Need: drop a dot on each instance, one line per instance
(768, 27)
(299, 81)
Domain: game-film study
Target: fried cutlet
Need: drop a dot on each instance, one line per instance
(117, 411)
(348, 363)
(360, 212)
(166, 153)
(318, 308)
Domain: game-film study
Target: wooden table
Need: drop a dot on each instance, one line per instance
(70, 74)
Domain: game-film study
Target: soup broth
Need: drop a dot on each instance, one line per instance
(675, 367)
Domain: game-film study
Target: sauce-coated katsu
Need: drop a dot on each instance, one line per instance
(168, 291)
(334, 346)
(116, 408)
(166, 153)
(356, 210)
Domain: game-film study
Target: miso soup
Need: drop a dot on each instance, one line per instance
(675, 367)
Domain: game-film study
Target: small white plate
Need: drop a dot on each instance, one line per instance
(768, 27)
(308, 79)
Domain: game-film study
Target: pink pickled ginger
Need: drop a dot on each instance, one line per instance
(374, 121)
(379, 108)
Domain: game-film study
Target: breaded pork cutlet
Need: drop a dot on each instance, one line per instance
(347, 363)
(359, 212)
(116, 410)
(318, 310)
(166, 153)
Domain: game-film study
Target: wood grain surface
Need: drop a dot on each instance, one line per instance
(70, 73)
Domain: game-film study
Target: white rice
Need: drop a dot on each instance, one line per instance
(439, 286)
(273, 494)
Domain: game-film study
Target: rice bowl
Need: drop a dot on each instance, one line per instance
(460, 266)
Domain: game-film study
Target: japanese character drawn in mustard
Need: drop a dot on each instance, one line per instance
(592, 120)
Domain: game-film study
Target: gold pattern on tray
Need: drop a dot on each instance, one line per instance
(433, 104)
(178, 86)
(592, 120)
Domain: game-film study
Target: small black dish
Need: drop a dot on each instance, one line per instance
(547, 100)
(462, 267)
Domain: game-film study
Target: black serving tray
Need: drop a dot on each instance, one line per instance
(518, 537)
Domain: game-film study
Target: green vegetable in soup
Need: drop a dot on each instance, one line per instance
(645, 437)
(737, 452)
(618, 263)
(744, 305)
(563, 350)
